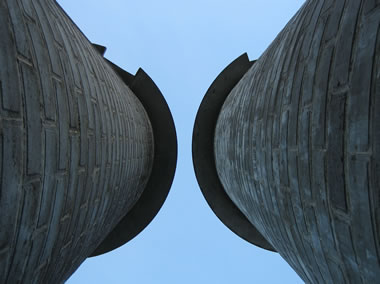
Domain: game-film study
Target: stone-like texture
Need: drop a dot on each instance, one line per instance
(203, 153)
(297, 143)
(76, 145)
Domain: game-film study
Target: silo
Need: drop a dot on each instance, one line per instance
(292, 143)
(87, 150)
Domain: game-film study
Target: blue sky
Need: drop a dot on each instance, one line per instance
(183, 46)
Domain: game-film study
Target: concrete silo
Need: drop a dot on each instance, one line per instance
(286, 149)
(87, 150)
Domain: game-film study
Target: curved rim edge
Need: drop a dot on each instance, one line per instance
(203, 154)
(164, 161)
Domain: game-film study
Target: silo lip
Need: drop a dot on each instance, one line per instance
(203, 154)
(164, 161)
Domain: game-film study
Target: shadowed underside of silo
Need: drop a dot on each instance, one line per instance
(294, 143)
(87, 150)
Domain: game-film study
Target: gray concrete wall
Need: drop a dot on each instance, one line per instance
(297, 143)
(76, 145)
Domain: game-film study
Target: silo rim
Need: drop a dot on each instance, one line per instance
(203, 154)
(164, 161)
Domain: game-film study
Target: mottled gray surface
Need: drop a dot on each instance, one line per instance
(297, 143)
(203, 154)
(76, 145)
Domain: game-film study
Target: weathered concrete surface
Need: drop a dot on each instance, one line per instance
(203, 154)
(164, 162)
(297, 143)
(76, 145)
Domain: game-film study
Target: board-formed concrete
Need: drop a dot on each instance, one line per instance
(77, 146)
(297, 142)
(203, 154)
(164, 161)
